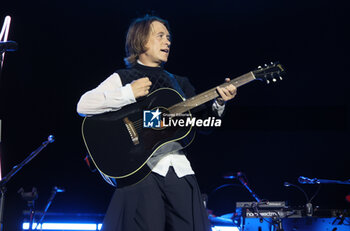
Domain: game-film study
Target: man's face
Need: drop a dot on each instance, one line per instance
(158, 45)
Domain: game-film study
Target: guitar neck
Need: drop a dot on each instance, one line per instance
(208, 95)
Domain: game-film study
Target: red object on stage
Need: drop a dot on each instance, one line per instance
(347, 198)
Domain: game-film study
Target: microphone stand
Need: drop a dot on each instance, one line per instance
(14, 170)
(326, 181)
(54, 191)
(308, 206)
(323, 181)
(245, 184)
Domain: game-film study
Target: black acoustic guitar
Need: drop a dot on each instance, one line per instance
(119, 144)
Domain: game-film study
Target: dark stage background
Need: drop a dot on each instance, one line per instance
(273, 133)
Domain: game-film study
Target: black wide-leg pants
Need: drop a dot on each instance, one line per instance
(158, 204)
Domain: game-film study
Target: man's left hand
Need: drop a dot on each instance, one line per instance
(226, 93)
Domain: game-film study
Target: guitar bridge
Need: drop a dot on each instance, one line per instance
(132, 131)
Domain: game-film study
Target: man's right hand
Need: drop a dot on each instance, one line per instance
(140, 87)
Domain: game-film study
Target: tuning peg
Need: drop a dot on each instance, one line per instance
(281, 78)
(274, 80)
(272, 63)
(267, 81)
(259, 67)
(265, 65)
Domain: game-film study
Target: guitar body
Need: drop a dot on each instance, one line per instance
(122, 154)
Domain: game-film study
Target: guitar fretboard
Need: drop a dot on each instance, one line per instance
(208, 95)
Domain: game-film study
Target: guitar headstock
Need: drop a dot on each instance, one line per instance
(269, 72)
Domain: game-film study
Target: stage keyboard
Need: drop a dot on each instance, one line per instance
(265, 204)
(273, 214)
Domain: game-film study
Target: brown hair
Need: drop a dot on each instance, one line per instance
(137, 37)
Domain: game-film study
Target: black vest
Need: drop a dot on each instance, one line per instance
(158, 76)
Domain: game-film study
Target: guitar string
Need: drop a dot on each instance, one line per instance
(212, 93)
(138, 124)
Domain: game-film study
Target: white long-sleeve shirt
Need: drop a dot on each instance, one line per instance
(110, 95)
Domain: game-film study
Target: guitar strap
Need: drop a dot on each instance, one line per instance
(176, 84)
